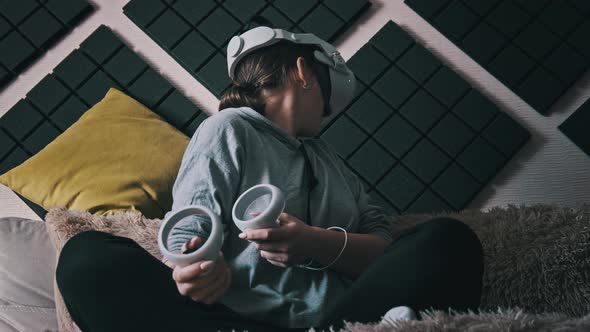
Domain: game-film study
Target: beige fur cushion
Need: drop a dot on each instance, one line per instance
(536, 257)
(62, 224)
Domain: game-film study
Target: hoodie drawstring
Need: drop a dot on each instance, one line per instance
(312, 181)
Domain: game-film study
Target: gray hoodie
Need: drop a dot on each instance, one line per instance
(238, 148)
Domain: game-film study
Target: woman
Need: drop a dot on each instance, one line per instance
(266, 132)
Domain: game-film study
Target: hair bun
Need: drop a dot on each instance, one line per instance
(248, 87)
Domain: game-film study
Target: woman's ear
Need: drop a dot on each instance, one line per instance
(304, 74)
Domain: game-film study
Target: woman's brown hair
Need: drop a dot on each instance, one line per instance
(268, 67)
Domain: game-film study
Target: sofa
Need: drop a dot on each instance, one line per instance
(27, 263)
(536, 269)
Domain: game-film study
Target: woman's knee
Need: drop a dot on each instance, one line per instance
(452, 233)
(83, 257)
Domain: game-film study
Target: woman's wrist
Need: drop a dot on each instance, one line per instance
(324, 245)
(311, 241)
(307, 246)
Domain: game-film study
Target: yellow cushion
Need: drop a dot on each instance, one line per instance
(118, 156)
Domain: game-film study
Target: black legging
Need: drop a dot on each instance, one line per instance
(110, 283)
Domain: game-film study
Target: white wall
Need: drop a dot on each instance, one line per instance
(549, 169)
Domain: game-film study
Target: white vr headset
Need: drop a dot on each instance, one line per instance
(336, 80)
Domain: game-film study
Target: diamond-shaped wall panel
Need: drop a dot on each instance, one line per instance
(29, 27)
(417, 134)
(196, 33)
(102, 61)
(575, 127)
(537, 48)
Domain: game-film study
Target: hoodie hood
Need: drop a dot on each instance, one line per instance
(260, 121)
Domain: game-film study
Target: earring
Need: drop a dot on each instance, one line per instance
(305, 86)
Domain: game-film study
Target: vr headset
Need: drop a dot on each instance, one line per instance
(337, 82)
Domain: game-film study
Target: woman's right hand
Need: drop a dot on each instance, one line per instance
(194, 281)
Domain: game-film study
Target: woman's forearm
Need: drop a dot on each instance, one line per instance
(360, 251)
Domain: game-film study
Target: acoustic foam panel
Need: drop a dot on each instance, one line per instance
(81, 80)
(576, 127)
(421, 138)
(29, 27)
(537, 48)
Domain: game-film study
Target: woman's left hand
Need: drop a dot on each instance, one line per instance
(282, 246)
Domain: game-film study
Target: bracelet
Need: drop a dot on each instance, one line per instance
(306, 265)
(334, 261)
